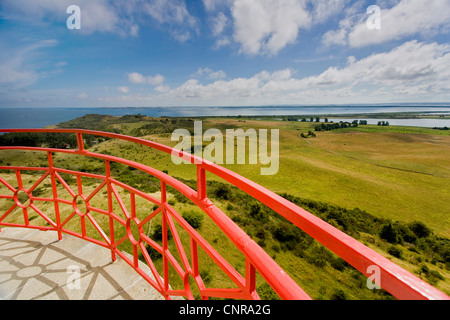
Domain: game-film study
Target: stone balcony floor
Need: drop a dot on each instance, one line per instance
(35, 265)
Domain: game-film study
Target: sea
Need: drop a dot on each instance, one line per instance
(27, 118)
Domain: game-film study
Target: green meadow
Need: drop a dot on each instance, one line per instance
(363, 180)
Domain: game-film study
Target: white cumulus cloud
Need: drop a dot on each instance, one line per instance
(267, 26)
(107, 16)
(413, 71)
(138, 78)
(173, 13)
(123, 89)
(210, 74)
(405, 18)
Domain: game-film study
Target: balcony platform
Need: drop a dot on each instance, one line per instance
(35, 265)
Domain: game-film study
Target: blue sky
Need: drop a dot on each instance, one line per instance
(140, 53)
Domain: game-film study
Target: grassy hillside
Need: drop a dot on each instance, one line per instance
(385, 186)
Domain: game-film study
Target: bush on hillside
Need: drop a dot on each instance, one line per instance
(194, 218)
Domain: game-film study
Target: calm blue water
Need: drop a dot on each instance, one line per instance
(42, 117)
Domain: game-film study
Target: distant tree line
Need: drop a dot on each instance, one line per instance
(96, 122)
(32, 139)
(340, 125)
(317, 119)
(46, 139)
(311, 119)
(328, 126)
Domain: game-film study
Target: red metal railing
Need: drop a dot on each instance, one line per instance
(397, 281)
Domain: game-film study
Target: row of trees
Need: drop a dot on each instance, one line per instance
(311, 119)
(317, 119)
(444, 128)
(31, 139)
(333, 126)
(46, 139)
(325, 126)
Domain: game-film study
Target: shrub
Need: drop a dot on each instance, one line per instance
(319, 262)
(262, 243)
(266, 292)
(153, 253)
(194, 218)
(389, 234)
(285, 233)
(338, 264)
(319, 256)
(406, 234)
(256, 212)
(339, 294)
(180, 197)
(420, 229)
(223, 191)
(424, 269)
(434, 275)
(206, 276)
(158, 232)
(262, 233)
(396, 252)
(230, 207)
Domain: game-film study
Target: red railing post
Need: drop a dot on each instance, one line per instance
(80, 142)
(51, 169)
(250, 280)
(195, 269)
(133, 217)
(201, 182)
(20, 187)
(110, 209)
(164, 237)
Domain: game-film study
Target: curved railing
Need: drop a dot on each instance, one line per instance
(397, 281)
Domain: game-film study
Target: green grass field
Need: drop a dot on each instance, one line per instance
(392, 173)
